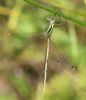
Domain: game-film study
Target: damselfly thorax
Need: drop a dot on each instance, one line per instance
(52, 22)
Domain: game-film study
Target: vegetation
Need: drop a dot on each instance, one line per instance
(23, 55)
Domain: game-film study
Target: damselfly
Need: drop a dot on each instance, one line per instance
(48, 32)
(35, 47)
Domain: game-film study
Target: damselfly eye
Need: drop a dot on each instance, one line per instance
(59, 22)
(50, 19)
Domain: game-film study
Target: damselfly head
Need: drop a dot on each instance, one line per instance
(51, 19)
(57, 21)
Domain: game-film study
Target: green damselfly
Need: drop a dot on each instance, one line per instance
(48, 33)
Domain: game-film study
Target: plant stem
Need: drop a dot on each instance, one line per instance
(54, 10)
(42, 5)
(72, 18)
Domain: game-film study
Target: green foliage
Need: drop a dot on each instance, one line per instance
(26, 39)
(21, 85)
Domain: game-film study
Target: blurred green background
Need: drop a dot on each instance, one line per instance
(22, 52)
